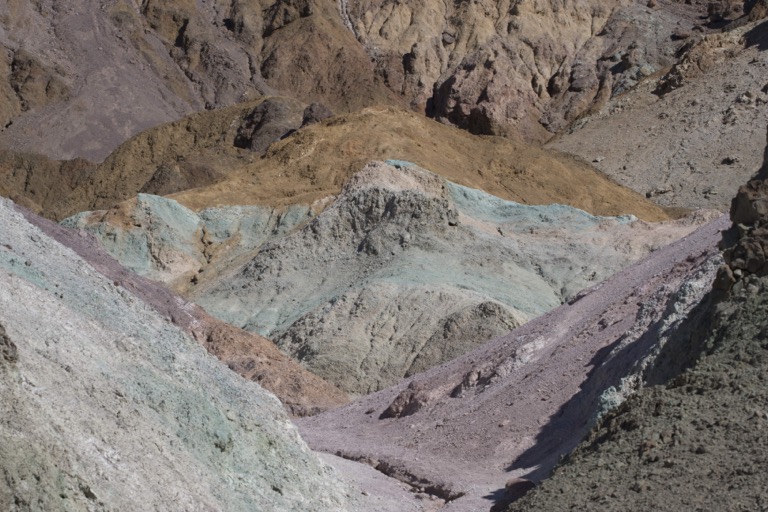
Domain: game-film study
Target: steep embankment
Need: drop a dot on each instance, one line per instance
(248, 354)
(104, 404)
(512, 407)
(699, 440)
(689, 137)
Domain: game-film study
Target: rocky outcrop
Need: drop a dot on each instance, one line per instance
(271, 120)
(700, 429)
(749, 213)
(8, 351)
(689, 137)
(521, 69)
(107, 405)
(198, 160)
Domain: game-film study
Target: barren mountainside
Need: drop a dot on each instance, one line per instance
(400, 272)
(391, 256)
(703, 430)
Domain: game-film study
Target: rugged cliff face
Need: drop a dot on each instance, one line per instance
(100, 72)
(79, 79)
(697, 439)
(518, 68)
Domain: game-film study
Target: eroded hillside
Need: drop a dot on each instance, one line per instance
(95, 73)
(104, 400)
(402, 271)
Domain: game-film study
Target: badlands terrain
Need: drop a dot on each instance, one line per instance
(383, 256)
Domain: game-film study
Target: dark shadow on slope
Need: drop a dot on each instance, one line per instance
(762, 173)
(574, 419)
(758, 36)
(686, 347)
(513, 491)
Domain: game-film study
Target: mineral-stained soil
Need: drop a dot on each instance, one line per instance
(699, 440)
(402, 271)
(512, 407)
(105, 404)
(248, 354)
(108, 401)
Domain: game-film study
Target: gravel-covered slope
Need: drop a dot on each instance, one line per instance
(698, 441)
(690, 137)
(105, 405)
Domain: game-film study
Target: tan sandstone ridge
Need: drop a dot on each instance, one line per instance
(199, 155)
(315, 161)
